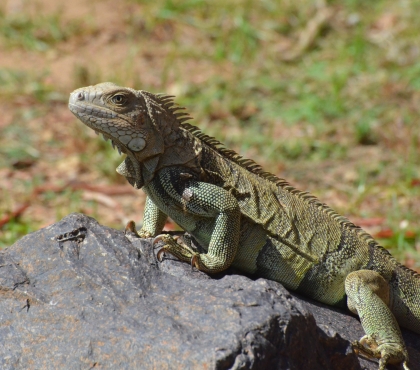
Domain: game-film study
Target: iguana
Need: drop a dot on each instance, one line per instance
(250, 219)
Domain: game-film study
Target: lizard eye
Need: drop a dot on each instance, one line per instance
(118, 99)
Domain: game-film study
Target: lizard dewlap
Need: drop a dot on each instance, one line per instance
(249, 218)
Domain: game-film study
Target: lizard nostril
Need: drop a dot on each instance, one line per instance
(80, 96)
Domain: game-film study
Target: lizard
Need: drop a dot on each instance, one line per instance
(250, 219)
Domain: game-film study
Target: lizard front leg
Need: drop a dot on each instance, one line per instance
(205, 204)
(368, 296)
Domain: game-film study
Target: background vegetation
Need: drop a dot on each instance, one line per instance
(323, 93)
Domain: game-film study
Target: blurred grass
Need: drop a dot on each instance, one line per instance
(34, 30)
(339, 117)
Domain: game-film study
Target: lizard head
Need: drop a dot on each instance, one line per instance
(121, 115)
(140, 124)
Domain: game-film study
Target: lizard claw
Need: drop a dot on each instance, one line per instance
(158, 238)
(194, 262)
(131, 227)
(161, 251)
(161, 237)
(159, 254)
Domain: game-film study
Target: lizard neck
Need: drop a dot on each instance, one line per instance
(185, 150)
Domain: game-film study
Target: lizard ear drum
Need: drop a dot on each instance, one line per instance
(137, 144)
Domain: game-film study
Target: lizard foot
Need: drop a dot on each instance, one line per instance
(386, 353)
(201, 261)
(131, 228)
(175, 247)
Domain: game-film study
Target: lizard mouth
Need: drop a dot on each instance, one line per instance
(77, 109)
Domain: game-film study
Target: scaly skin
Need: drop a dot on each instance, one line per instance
(248, 218)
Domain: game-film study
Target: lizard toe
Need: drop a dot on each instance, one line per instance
(392, 354)
(158, 238)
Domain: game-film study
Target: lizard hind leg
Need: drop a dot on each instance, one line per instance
(368, 297)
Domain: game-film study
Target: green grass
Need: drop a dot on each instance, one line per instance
(15, 230)
(35, 32)
(31, 85)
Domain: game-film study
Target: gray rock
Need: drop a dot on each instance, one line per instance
(78, 295)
